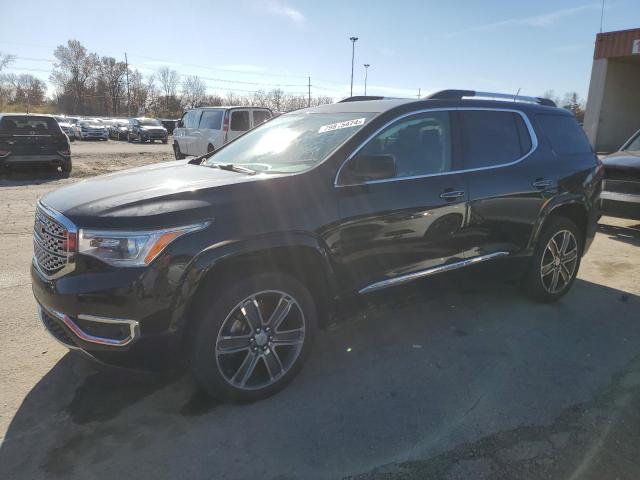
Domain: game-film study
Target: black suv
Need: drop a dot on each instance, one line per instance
(33, 140)
(146, 130)
(232, 262)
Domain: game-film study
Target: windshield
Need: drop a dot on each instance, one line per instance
(634, 145)
(291, 143)
(91, 123)
(122, 123)
(149, 122)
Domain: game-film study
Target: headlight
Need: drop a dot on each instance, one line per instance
(130, 249)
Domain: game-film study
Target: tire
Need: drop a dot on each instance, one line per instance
(65, 170)
(210, 148)
(222, 323)
(140, 139)
(561, 270)
(176, 151)
(165, 141)
(129, 139)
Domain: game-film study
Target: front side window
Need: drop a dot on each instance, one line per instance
(291, 143)
(420, 144)
(564, 134)
(492, 138)
(191, 119)
(240, 121)
(211, 119)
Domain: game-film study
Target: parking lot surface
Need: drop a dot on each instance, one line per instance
(454, 378)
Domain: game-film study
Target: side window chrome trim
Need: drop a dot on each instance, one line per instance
(527, 122)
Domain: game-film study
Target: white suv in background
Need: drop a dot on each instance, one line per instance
(205, 129)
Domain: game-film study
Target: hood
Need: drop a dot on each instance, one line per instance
(152, 127)
(151, 196)
(93, 125)
(623, 159)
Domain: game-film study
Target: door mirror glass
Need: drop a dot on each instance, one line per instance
(365, 168)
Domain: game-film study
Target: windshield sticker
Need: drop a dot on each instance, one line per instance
(346, 124)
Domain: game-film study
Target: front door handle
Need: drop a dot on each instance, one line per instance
(451, 194)
(542, 183)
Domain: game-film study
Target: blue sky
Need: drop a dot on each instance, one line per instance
(248, 45)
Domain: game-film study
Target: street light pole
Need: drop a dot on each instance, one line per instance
(353, 52)
(366, 71)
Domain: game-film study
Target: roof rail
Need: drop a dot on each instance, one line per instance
(460, 94)
(360, 98)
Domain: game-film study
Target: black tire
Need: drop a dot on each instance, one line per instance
(165, 141)
(129, 138)
(214, 371)
(140, 140)
(537, 285)
(210, 148)
(176, 152)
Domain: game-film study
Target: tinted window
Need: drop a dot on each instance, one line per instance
(420, 144)
(150, 122)
(26, 125)
(211, 119)
(493, 138)
(564, 134)
(260, 116)
(240, 121)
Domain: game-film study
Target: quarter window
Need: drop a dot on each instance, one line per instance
(492, 138)
(260, 116)
(565, 135)
(240, 121)
(420, 144)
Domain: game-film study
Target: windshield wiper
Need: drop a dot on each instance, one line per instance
(234, 168)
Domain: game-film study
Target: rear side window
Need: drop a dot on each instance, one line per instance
(211, 119)
(492, 138)
(240, 121)
(28, 125)
(564, 134)
(260, 116)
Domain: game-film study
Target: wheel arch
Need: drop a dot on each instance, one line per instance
(301, 255)
(573, 208)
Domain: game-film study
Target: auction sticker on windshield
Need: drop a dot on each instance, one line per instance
(337, 126)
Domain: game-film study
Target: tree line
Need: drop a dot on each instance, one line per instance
(85, 83)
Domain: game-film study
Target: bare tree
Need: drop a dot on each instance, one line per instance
(231, 99)
(74, 71)
(5, 60)
(168, 80)
(194, 91)
(112, 74)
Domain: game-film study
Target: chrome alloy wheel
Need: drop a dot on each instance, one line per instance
(260, 340)
(559, 261)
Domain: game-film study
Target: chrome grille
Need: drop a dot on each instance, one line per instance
(50, 244)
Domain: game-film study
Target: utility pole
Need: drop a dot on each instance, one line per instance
(366, 72)
(418, 94)
(126, 69)
(309, 98)
(353, 53)
(601, 16)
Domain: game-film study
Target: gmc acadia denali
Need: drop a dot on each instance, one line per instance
(231, 261)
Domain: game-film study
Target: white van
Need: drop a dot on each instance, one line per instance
(205, 129)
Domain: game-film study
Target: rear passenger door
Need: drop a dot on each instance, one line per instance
(240, 122)
(502, 159)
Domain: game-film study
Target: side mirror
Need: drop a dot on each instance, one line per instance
(364, 168)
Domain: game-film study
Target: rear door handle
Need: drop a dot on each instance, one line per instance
(542, 183)
(451, 195)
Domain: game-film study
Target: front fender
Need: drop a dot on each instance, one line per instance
(254, 248)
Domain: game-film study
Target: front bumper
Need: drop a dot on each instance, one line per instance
(87, 135)
(621, 198)
(92, 313)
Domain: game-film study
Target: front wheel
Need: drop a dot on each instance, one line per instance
(254, 337)
(177, 152)
(555, 262)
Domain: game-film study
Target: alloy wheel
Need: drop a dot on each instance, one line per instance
(559, 261)
(260, 340)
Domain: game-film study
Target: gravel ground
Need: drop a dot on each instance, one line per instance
(453, 378)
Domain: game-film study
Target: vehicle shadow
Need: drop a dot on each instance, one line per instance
(628, 234)
(410, 373)
(18, 177)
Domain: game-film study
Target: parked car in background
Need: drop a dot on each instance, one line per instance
(169, 124)
(120, 129)
(33, 140)
(90, 129)
(206, 129)
(621, 188)
(146, 130)
(235, 260)
(66, 124)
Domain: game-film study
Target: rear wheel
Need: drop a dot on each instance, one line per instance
(176, 152)
(210, 148)
(555, 262)
(254, 337)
